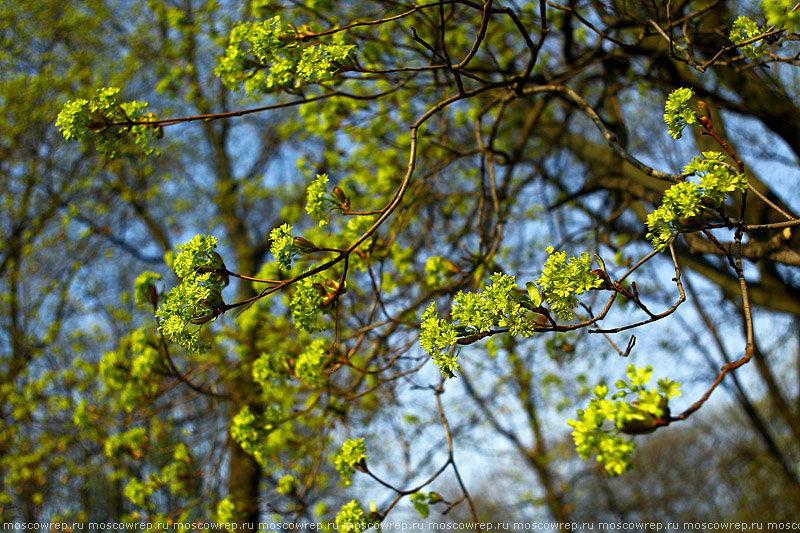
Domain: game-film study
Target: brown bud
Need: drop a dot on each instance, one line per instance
(304, 246)
(639, 427)
(152, 295)
(464, 341)
(339, 195)
(704, 108)
(216, 260)
(215, 299)
(326, 300)
(341, 198)
(650, 422)
(374, 517)
(320, 289)
(689, 225)
(600, 273)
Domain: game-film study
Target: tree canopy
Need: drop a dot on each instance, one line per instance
(305, 261)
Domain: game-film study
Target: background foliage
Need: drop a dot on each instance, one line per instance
(388, 252)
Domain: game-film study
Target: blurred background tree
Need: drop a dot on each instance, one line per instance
(103, 419)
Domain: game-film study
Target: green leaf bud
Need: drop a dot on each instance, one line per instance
(203, 316)
(420, 502)
(215, 299)
(533, 293)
